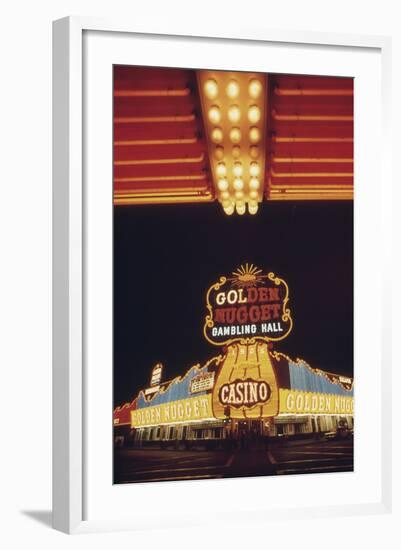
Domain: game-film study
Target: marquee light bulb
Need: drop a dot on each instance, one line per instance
(254, 134)
(253, 194)
(221, 170)
(225, 195)
(217, 135)
(254, 169)
(222, 185)
(219, 152)
(226, 203)
(255, 88)
(254, 184)
(229, 210)
(214, 114)
(211, 88)
(238, 184)
(235, 135)
(234, 114)
(239, 195)
(253, 207)
(240, 206)
(232, 89)
(254, 114)
(236, 151)
(237, 170)
(254, 152)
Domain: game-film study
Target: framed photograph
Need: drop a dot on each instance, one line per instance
(219, 321)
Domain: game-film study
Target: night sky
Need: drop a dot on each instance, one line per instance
(167, 256)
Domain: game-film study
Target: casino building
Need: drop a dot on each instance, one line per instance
(247, 391)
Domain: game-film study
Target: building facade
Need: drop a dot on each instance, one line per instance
(247, 392)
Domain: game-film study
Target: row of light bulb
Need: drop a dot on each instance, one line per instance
(238, 185)
(254, 170)
(234, 196)
(255, 88)
(235, 135)
(234, 114)
(233, 88)
(240, 206)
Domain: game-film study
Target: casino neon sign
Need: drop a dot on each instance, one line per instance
(247, 306)
(244, 393)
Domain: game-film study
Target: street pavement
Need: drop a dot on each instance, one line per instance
(281, 457)
(311, 456)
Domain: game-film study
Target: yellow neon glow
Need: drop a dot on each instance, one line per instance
(221, 170)
(237, 170)
(240, 207)
(253, 207)
(236, 152)
(235, 122)
(219, 152)
(214, 115)
(313, 186)
(144, 162)
(217, 135)
(238, 184)
(254, 114)
(311, 174)
(211, 88)
(222, 185)
(173, 141)
(311, 118)
(184, 410)
(255, 88)
(254, 135)
(299, 402)
(312, 92)
(235, 135)
(153, 119)
(160, 178)
(296, 139)
(254, 169)
(343, 160)
(229, 210)
(162, 199)
(308, 197)
(152, 93)
(232, 89)
(254, 152)
(234, 114)
(254, 184)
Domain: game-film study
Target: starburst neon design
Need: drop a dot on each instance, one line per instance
(247, 275)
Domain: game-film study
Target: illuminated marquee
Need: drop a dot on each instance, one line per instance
(156, 375)
(246, 306)
(245, 393)
(184, 410)
(300, 402)
(246, 385)
(202, 382)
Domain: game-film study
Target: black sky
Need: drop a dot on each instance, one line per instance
(166, 257)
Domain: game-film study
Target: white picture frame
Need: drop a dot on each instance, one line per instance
(78, 41)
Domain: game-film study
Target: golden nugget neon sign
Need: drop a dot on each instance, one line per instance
(247, 306)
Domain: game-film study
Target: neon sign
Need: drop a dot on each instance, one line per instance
(247, 306)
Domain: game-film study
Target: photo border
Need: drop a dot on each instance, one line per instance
(69, 254)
